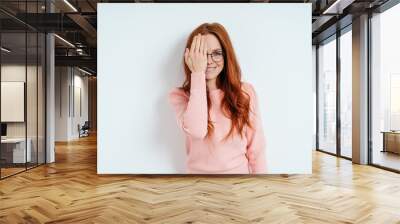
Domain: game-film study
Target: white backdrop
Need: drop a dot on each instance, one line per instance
(140, 50)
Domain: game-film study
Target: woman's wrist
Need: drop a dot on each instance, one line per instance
(198, 80)
(198, 73)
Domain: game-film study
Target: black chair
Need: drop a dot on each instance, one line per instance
(84, 130)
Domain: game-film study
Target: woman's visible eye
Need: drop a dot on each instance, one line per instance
(217, 53)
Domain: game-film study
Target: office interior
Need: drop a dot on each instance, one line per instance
(335, 74)
(30, 56)
(48, 81)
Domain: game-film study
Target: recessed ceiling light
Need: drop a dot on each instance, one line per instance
(337, 7)
(84, 71)
(70, 5)
(5, 49)
(64, 40)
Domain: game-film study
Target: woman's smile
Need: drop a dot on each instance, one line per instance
(210, 69)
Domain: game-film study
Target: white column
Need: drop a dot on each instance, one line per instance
(50, 92)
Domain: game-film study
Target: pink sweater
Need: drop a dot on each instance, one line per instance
(236, 155)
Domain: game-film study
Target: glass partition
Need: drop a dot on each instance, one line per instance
(327, 96)
(32, 95)
(346, 94)
(41, 86)
(22, 89)
(13, 105)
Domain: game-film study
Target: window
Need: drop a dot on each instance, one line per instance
(327, 96)
(346, 94)
(385, 88)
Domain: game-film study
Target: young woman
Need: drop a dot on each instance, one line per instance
(218, 113)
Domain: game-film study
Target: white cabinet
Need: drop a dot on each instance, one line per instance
(18, 149)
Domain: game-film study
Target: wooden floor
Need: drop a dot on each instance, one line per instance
(70, 191)
(5, 172)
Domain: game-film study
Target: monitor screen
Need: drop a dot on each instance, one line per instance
(3, 129)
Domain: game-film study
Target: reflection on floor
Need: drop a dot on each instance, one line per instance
(10, 169)
(346, 151)
(386, 159)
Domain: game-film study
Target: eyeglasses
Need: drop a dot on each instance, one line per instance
(216, 56)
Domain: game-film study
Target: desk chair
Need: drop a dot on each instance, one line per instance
(84, 130)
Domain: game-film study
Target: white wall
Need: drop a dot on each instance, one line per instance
(18, 73)
(139, 63)
(80, 83)
(68, 81)
(12, 73)
(61, 103)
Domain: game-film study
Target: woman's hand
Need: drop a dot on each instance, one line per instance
(196, 57)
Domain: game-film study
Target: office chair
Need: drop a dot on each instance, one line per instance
(84, 130)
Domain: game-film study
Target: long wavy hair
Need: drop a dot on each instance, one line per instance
(236, 102)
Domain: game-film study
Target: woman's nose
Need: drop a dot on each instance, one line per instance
(209, 59)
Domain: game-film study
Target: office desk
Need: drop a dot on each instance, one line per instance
(391, 141)
(13, 150)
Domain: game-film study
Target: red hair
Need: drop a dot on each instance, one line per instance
(236, 102)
